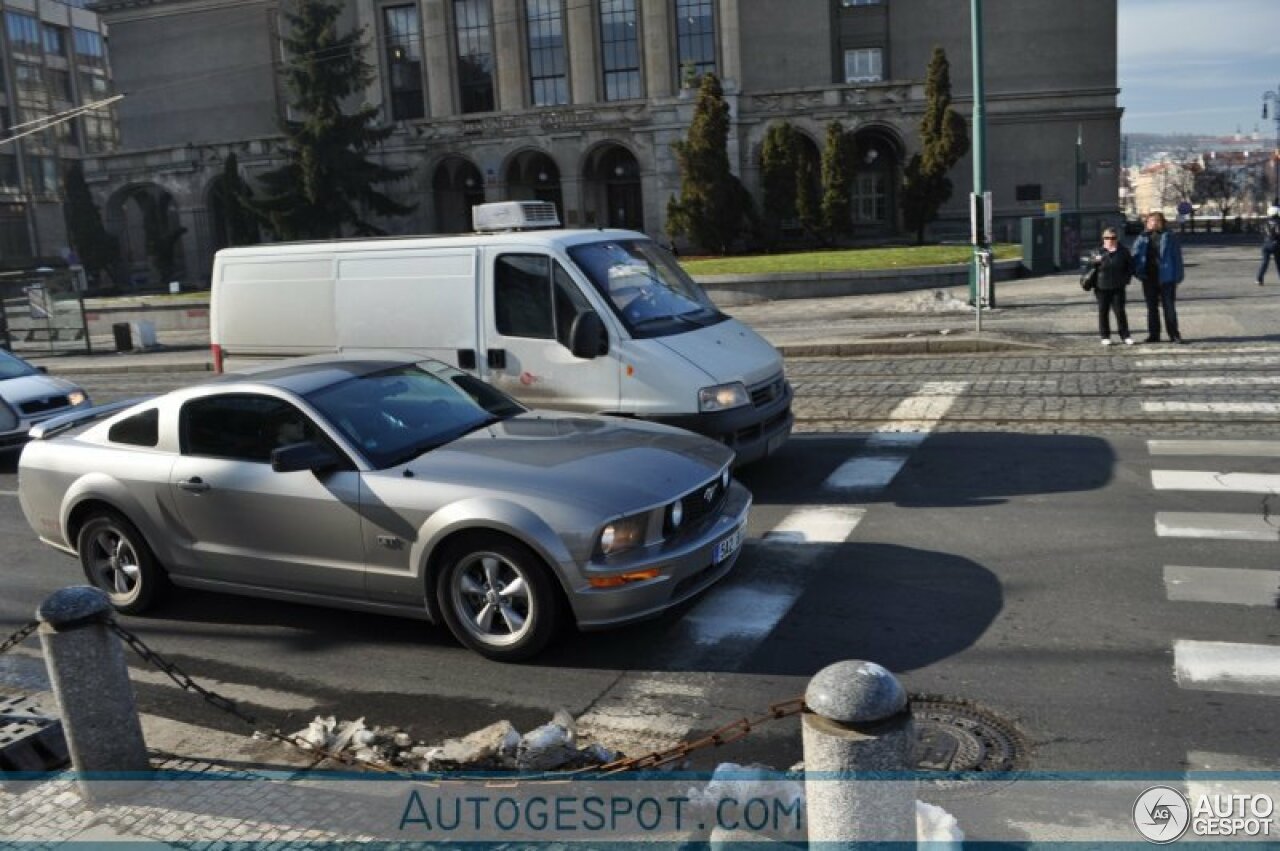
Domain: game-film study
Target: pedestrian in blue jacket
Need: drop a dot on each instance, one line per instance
(1157, 262)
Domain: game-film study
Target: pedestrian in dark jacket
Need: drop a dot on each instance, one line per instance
(1115, 269)
(1157, 261)
(1270, 243)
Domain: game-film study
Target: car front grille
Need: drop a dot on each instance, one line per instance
(763, 394)
(43, 406)
(702, 502)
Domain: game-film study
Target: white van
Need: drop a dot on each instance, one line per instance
(598, 321)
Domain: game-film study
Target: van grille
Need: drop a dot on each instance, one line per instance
(41, 406)
(763, 394)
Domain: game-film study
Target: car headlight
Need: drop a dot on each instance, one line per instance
(675, 514)
(722, 397)
(624, 534)
(77, 397)
(724, 478)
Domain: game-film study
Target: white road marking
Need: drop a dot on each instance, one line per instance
(1223, 765)
(741, 613)
(821, 525)
(8, 493)
(645, 711)
(1185, 361)
(1212, 380)
(891, 444)
(1245, 448)
(1211, 407)
(1196, 480)
(869, 473)
(1224, 527)
(1230, 585)
(1227, 667)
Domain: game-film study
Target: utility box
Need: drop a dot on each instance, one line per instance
(144, 333)
(1038, 248)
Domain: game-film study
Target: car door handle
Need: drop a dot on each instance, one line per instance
(195, 484)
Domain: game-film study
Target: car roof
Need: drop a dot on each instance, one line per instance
(305, 375)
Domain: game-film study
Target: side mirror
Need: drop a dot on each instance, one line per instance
(587, 336)
(307, 455)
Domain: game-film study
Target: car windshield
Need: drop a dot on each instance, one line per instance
(14, 367)
(397, 414)
(645, 287)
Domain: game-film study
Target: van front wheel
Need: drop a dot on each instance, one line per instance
(497, 598)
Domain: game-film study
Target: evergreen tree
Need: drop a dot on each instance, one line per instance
(239, 222)
(327, 185)
(162, 233)
(944, 140)
(808, 187)
(97, 250)
(778, 175)
(713, 209)
(837, 218)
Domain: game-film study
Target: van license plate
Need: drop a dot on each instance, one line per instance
(728, 546)
(775, 443)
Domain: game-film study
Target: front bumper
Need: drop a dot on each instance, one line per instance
(686, 565)
(751, 432)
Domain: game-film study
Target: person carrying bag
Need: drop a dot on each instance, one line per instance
(1111, 268)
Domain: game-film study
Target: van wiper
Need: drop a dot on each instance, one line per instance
(675, 317)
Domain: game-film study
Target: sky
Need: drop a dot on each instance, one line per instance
(1198, 66)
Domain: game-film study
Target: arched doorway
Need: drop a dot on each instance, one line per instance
(457, 187)
(612, 188)
(877, 165)
(144, 219)
(534, 176)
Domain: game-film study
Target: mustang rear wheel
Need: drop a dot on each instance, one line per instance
(117, 561)
(497, 598)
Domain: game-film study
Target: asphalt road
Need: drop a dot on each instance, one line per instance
(996, 528)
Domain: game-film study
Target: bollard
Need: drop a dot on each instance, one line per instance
(857, 720)
(91, 683)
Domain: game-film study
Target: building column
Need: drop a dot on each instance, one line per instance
(437, 45)
(581, 47)
(659, 50)
(508, 54)
(730, 32)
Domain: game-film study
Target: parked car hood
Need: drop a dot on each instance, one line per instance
(727, 351)
(616, 464)
(27, 387)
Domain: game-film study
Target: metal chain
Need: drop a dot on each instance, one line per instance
(731, 732)
(18, 637)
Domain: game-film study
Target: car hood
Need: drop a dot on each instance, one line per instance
(27, 387)
(606, 462)
(727, 351)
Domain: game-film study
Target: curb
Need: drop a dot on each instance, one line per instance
(900, 346)
(126, 368)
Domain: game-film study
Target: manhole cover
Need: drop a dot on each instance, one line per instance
(960, 736)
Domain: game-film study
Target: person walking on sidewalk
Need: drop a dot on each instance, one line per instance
(1115, 269)
(1157, 260)
(1270, 243)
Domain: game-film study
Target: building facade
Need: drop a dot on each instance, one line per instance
(53, 58)
(580, 101)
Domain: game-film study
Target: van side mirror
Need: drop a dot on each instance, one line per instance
(587, 336)
(308, 455)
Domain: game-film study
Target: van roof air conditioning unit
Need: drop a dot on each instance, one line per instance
(514, 215)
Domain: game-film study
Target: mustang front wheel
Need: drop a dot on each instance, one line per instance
(117, 561)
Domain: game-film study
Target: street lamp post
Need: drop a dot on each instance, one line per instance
(1273, 98)
(981, 255)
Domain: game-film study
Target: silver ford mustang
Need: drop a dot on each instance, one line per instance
(387, 484)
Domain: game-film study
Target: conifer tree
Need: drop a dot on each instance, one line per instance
(327, 186)
(713, 209)
(837, 219)
(97, 249)
(239, 222)
(944, 140)
(778, 175)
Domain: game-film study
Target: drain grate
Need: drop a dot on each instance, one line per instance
(960, 736)
(30, 740)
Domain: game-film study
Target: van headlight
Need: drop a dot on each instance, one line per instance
(624, 534)
(722, 397)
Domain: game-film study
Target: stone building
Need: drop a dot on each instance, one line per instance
(53, 59)
(579, 102)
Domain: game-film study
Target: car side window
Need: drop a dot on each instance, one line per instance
(138, 430)
(522, 296)
(242, 426)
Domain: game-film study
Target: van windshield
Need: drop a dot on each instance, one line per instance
(645, 287)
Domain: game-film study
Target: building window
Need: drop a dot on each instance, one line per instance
(24, 31)
(403, 38)
(59, 84)
(43, 174)
(863, 65)
(548, 77)
(695, 40)
(620, 49)
(473, 25)
(870, 198)
(8, 172)
(1027, 192)
(89, 48)
(55, 40)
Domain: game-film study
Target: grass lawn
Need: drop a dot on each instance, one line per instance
(844, 260)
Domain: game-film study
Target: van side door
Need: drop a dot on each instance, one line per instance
(411, 300)
(530, 305)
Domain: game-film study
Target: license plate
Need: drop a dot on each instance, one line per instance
(728, 546)
(775, 443)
